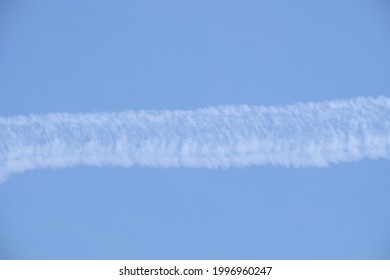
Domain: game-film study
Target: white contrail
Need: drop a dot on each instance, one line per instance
(310, 134)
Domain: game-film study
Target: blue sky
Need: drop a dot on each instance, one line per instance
(94, 56)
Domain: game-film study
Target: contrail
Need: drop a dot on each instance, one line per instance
(304, 134)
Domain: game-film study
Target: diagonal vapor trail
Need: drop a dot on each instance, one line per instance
(299, 135)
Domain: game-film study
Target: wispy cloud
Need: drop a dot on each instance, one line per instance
(305, 134)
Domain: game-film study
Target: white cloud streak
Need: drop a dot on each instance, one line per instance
(299, 135)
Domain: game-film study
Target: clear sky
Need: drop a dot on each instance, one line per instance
(94, 56)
